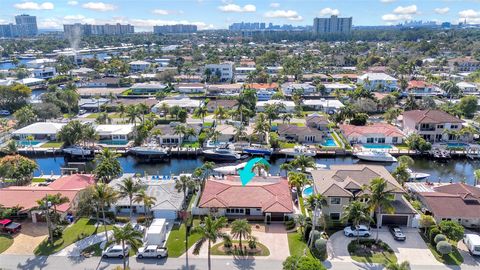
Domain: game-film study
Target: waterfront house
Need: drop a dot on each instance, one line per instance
(228, 104)
(374, 133)
(467, 87)
(27, 197)
(241, 73)
(39, 131)
(463, 64)
(340, 184)
(224, 89)
(224, 71)
(305, 88)
(115, 134)
(44, 72)
(264, 91)
(184, 78)
(102, 82)
(289, 106)
(378, 82)
(305, 134)
(147, 88)
(183, 102)
(168, 136)
(318, 121)
(227, 132)
(420, 88)
(92, 104)
(82, 72)
(432, 125)
(266, 199)
(332, 87)
(139, 66)
(329, 106)
(190, 88)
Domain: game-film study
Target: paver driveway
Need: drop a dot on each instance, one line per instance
(28, 239)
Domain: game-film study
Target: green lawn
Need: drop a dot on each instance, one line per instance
(5, 242)
(297, 246)
(38, 180)
(454, 258)
(52, 145)
(402, 146)
(176, 239)
(191, 144)
(217, 249)
(192, 199)
(301, 204)
(362, 253)
(338, 140)
(284, 144)
(82, 228)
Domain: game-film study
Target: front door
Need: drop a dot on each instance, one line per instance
(247, 212)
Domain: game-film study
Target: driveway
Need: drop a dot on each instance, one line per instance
(28, 239)
(467, 258)
(413, 249)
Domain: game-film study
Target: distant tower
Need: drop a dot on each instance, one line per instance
(27, 25)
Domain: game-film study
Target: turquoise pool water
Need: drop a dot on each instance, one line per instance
(376, 146)
(457, 145)
(28, 143)
(329, 143)
(113, 142)
(308, 191)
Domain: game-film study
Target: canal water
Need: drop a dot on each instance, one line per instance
(455, 170)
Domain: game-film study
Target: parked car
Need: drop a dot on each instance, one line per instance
(472, 241)
(361, 230)
(8, 226)
(116, 251)
(139, 228)
(397, 233)
(82, 112)
(152, 251)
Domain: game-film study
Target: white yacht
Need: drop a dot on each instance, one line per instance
(222, 154)
(417, 175)
(299, 151)
(377, 156)
(149, 150)
(230, 170)
(75, 150)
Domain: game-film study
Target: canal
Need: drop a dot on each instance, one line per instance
(455, 170)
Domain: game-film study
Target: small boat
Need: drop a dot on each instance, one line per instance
(222, 154)
(417, 175)
(441, 155)
(149, 151)
(318, 166)
(230, 170)
(299, 151)
(257, 149)
(77, 151)
(377, 156)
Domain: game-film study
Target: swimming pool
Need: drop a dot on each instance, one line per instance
(113, 142)
(28, 143)
(454, 145)
(376, 146)
(308, 191)
(330, 142)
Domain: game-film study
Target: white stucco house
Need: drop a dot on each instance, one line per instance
(380, 82)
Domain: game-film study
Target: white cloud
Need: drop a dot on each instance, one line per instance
(469, 14)
(387, 1)
(72, 3)
(274, 5)
(34, 6)
(99, 6)
(238, 9)
(396, 17)
(160, 12)
(444, 10)
(406, 10)
(285, 14)
(329, 12)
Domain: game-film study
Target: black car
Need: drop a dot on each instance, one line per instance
(397, 233)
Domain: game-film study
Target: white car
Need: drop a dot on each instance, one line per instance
(116, 252)
(361, 230)
(152, 251)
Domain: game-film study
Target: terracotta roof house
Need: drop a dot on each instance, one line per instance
(318, 121)
(227, 104)
(458, 202)
(304, 134)
(342, 183)
(432, 124)
(27, 196)
(262, 86)
(267, 199)
(420, 88)
(376, 133)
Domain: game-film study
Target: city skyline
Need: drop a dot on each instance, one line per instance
(144, 14)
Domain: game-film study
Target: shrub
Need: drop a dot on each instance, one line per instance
(122, 219)
(57, 232)
(452, 230)
(444, 247)
(252, 242)
(433, 232)
(302, 263)
(306, 232)
(141, 219)
(227, 243)
(439, 238)
(315, 235)
(321, 248)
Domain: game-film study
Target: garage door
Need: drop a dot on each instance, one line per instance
(395, 220)
(166, 214)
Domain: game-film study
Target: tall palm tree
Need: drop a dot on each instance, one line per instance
(241, 229)
(164, 108)
(104, 195)
(201, 112)
(127, 235)
(148, 201)
(379, 198)
(303, 162)
(209, 232)
(128, 187)
(297, 180)
(10, 148)
(184, 184)
(122, 110)
(107, 165)
(220, 113)
(356, 212)
(261, 126)
(132, 114)
(316, 201)
(286, 167)
(89, 134)
(56, 200)
(180, 130)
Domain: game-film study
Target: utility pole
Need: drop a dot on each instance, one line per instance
(47, 216)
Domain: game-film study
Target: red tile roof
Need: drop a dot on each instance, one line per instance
(260, 86)
(376, 128)
(73, 182)
(430, 117)
(271, 197)
(414, 84)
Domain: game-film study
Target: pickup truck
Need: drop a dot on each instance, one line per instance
(152, 251)
(9, 226)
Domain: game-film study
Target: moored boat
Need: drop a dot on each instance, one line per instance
(377, 156)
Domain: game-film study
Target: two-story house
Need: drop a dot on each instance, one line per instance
(433, 125)
(343, 183)
(380, 82)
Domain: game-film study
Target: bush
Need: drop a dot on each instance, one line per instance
(439, 238)
(252, 243)
(306, 232)
(433, 232)
(444, 247)
(452, 230)
(315, 236)
(321, 248)
(122, 219)
(141, 219)
(57, 232)
(295, 262)
(227, 243)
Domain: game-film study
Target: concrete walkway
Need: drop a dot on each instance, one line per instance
(75, 249)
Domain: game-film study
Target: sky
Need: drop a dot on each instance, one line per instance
(218, 14)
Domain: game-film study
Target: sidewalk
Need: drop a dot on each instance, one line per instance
(75, 249)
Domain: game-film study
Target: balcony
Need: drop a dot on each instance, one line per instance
(427, 129)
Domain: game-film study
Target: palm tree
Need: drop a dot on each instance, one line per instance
(209, 232)
(180, 130)
(286, 117)
(107, 165)
(56, 200)
(122, 110)
(286, 167)
(451, 89)
(128, 187)
(316, 201)
(297, 180)
(11, 148)
(301, 222)
(303, 162)
(132, 114)
(184, 184)
(201, 112)
(164, 108)
(356, 212)
(104, 195)
(260, 166)
(89, 134)
(241, 229)
(148, 201)
(220, 113)
(127, 235)
(405, 265)
(261, 126)
(379, 199)
(407, 160)
(240, 132)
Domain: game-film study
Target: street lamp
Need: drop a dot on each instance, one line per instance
(48, 204)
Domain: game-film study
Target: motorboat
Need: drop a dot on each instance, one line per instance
(299, 151)
(318, 166)
(78, 151)
(222, 154)
(377, 156)
(417, 175)
(230, 170)
(257, 149)
(149, 151)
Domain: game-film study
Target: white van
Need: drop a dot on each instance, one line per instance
(472, 241)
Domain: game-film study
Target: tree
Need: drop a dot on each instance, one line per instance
(103, 118)
(104, 195)
(297, 180)
(301, 222)
(45, 111)
(132, 114)
(405, 265)
(451, 89)
(148, 201)
(379, 199)
(56, 200)
(303, 162)
(468, 106)
(209, 232)
(416, 142)
(261, 126)
(128, 187)
(14, 96)
(392, 114)
(426, 222)
(295, 262)
(356, 212)
(241, 229)
(360, 119)
(289, 167)
(11, 148)
(444, 247)
(452, 229)
(107, 166)
(127, 235)
(201, 112)
(25, 116)
(17, 168)
(220, 113)
(72, 133)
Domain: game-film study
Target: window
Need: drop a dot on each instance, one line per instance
(335, 200)
(454, 126)
(369, 140)
(381, 140)
(335, 216)
(395, 140)
(439, 126)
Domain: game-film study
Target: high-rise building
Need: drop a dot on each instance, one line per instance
(175, 28)
(26, 26)
(332, 25)
(78, 29)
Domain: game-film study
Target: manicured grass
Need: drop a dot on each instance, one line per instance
(95, 250)
(84, 227)
(176, 239)
(338, 140)
(192, 199)
(208, 124)
(5, 242)
(52, 145)
(454, 258)
(301, 204)
(365, 253)
(217, 249)
(284, 145)
(297, 245)
(402, 147)
(38, 180)
(191, 144)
